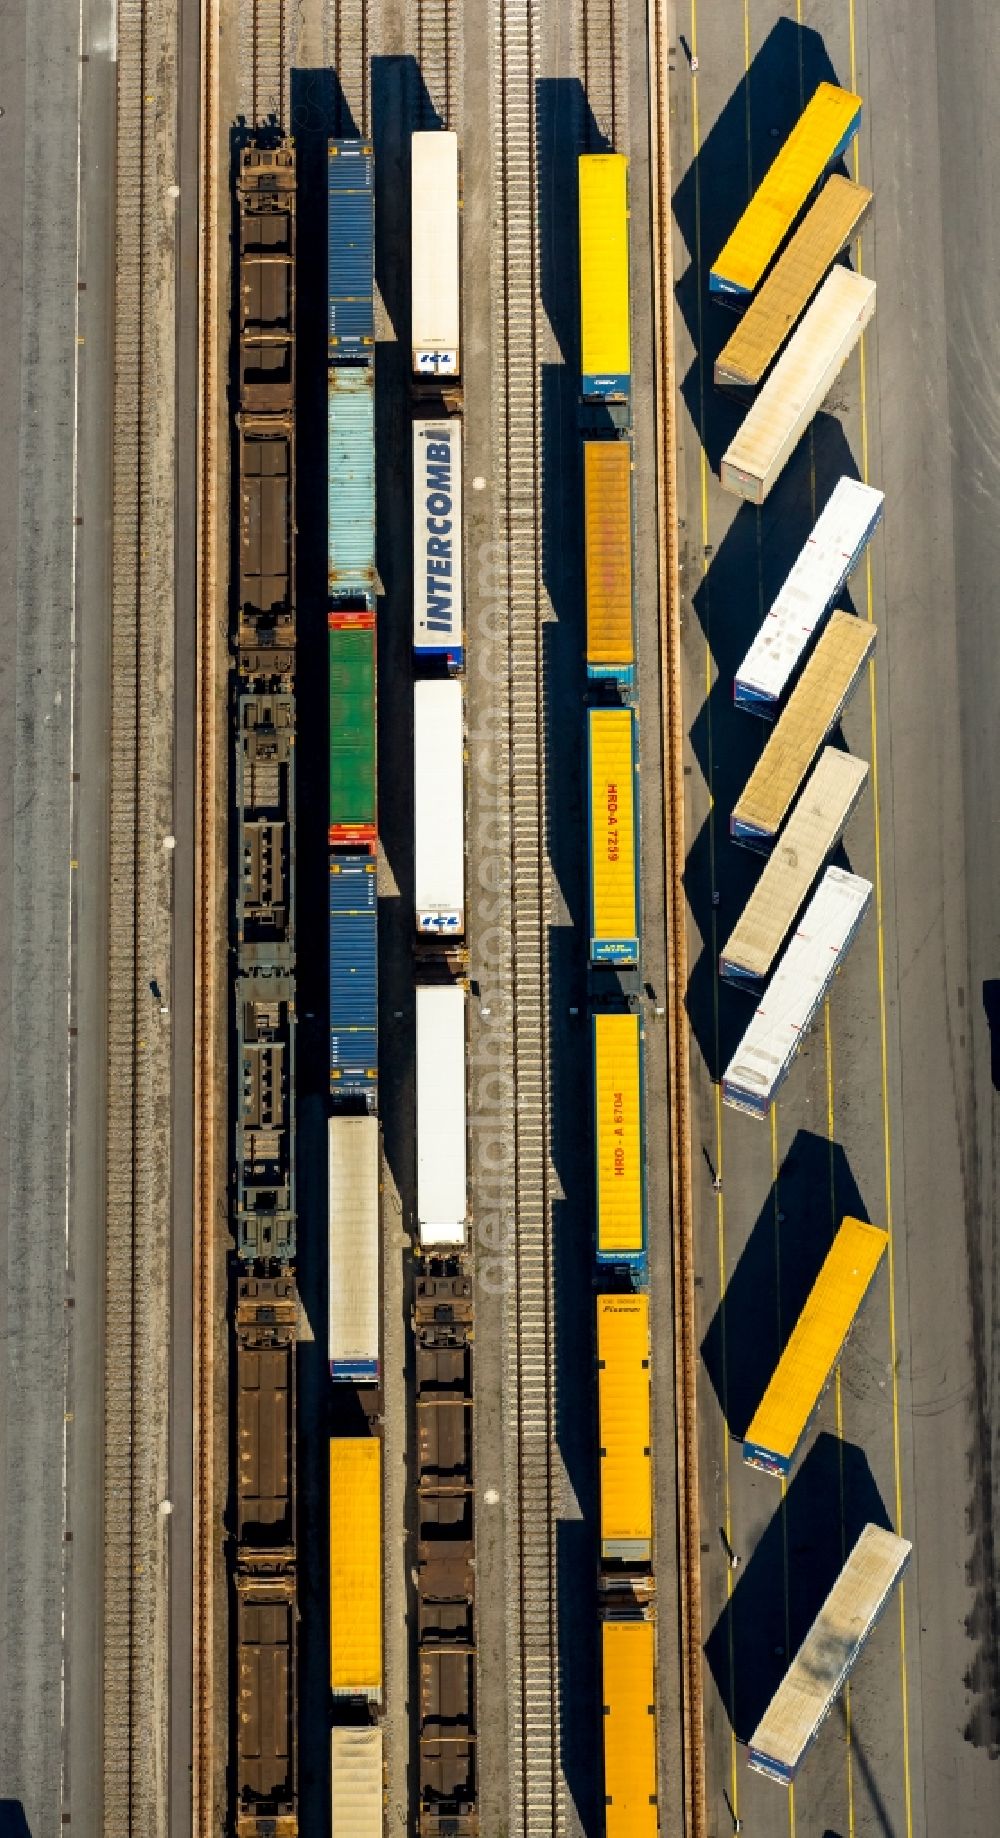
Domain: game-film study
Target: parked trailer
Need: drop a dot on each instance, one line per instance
(265, 1117)
(265, 806)
(266, 197)
(266, 1317)
(799, 384)
(265, 1713)
(614, 887)
(795, 993)
(826, 229)
(618, 1145)
(821, 135)
(351, 486)
(814, 1347)
(628, 1703)
(353, 978)
(437, 542)
(625, 1437)
(814, 707)
(439, 810)
(353, 818)
(350, 251)
(607, 524)
(356, 1567)
(814, 828)
(605, 338)
(353, 1193)
(357, 1781)
(829, 1653)
(434, 255)
(442, 1185)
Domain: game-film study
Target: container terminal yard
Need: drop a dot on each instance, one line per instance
(499, 733)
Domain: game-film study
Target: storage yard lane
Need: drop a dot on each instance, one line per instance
(889, 1110)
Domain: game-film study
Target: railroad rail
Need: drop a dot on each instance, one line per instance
(438, 25)
(347, 39)
(602, 43)
(264, 62)
(537, 1799)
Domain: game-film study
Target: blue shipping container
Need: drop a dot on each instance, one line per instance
(353, 977)
(351, 487)
(350, 253)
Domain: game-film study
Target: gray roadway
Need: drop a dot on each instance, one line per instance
(906, 1133)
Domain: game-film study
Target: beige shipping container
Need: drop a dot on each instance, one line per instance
(801, 380)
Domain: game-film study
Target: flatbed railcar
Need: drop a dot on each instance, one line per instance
(605, 337)
(266, 1773)
(350, 251)
(265, 1118)
(266, 1314)
(266, 280)
(265, 815)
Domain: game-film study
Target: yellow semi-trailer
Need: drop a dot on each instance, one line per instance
(623, 1383)
(628, 1704)
(356, 1567)
(814, 1346)
(822, 133)
(607, 526)
(614, 890)
(605, 342)
(618, 1149)
(826, 228)
(798, 385)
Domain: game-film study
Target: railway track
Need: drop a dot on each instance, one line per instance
(437, 61)
(348, 38)
(603, 38)
(264, 62)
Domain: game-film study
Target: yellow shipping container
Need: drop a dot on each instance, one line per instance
(606, 359)
(607, 522)
(618, 1137)
(814, 1346)
(823, 131)
(624, 1424)
(614, 916)
(356, 1566)
(629, 1704)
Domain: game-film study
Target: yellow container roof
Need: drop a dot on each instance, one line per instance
(612, 810)
(618, 1128)
(624, 1417)
(604, 293)
(607, 521)
(356, 1564)
(628, 1693)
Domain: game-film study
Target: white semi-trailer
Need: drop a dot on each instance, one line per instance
(442, 1187)
(437, 542)
(439, 809)
(434, 300)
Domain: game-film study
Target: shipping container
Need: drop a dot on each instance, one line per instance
(356, 1781)
(266, 1753)
(618, 1138)
(821, 135)
(814, 1346)
(353, 787)
(605, 340)
(628, 1703)
(353, 978)
(625, 1436)
(814, 828)
(353, 1161)
(266, 1320)
(829, 1653)
(356, 1567)
(265, 1117)
(442, 1196)
(798, 385)
(437, 541)
(350, 464)
(814, 707)
(350, 251)
(439, 809)
(607, 524)
(796, 992)
(843, 531)
(434, 255)
(613, 801)
(772, 316)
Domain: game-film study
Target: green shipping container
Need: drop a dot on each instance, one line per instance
(352, 730)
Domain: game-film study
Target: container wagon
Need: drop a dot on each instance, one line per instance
(625, 1436)
(265, 811)
(356, 1567)
(353, 818)
(442, 1185)
(842, 533)
(353, 979)
(265, 1118)
(266, 1315)
(434, 256)
(796, 992)
(814, 707)
(266, 347)
(828, 1654)
(826, 229)
(265, 1712)
(353, 1192)
(357, 1783)
(437, 542)
(350, 251)
(618, 1145)
(814, 828)
(821, 135)
(628, 1703)
(351, 487)
(266, 613)
(614, 887)
(798, 385)
(605, 345)
(814, 1347)
(607, 524)
(439, 810)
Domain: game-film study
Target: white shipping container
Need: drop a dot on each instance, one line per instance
(843, 530)
(795, 992)
(799, 383)
(356, 1781)
(354, 1243)
(434, 315)
(439, 809)
(442, 1199)
(437, 540)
